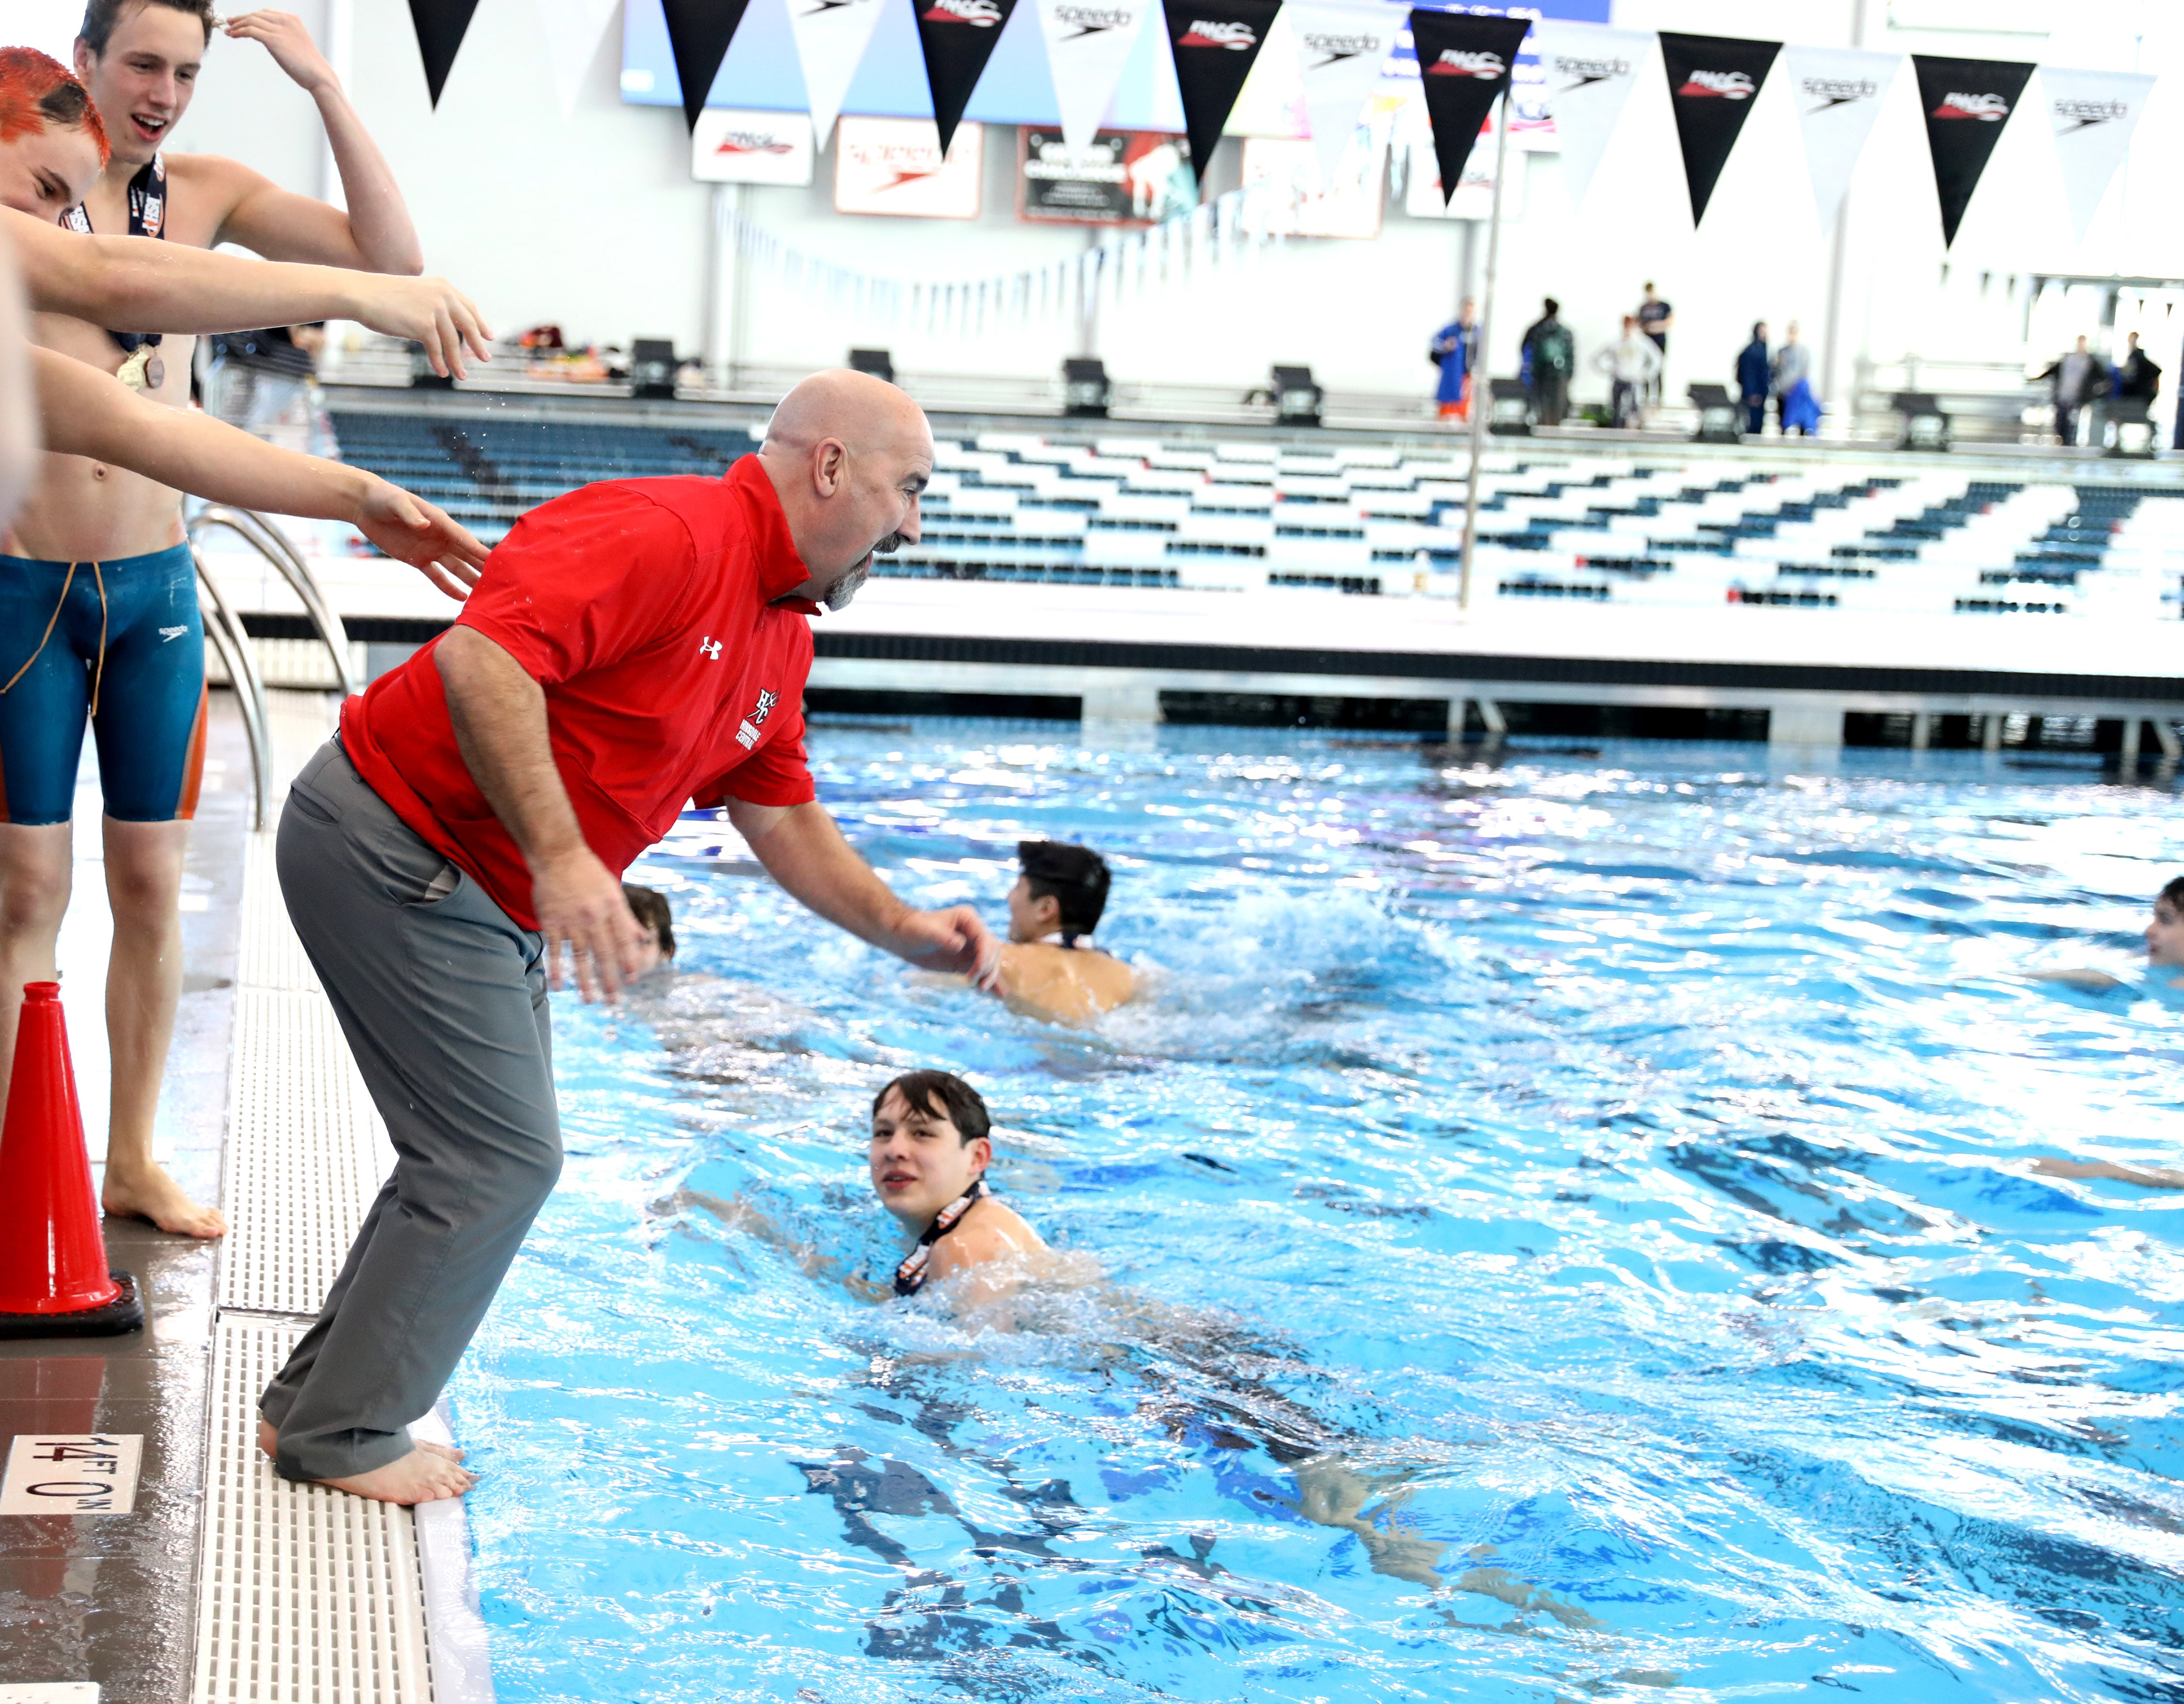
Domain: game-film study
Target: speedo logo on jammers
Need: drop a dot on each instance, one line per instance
(1236, 37)
(1728, 85)
(983, 14)
(1988, 109)
(1456, 62)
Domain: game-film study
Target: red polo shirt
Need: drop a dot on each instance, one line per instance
(646, 608)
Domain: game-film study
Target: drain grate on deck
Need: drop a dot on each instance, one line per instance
(271, 956)
(304, 1595)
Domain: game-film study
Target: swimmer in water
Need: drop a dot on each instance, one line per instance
(648, 906)
(1049, 967)
(2164, 950)
(930, 1150)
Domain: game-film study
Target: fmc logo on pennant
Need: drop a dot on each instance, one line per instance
(1729, 85)
(1988, 109)
(1454, 62)
(1201, 34)
(72, 1473)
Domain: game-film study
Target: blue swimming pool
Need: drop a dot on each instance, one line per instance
(1599, 1178)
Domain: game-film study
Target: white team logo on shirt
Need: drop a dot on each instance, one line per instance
(747, 735)
(710, 646)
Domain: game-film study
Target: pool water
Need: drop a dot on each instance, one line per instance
(1598, 1182)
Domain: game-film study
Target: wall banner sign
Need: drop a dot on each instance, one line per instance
(1124, 177)
(1215, 43)
(1088, 44)
(699, 32)
(1464, 64)
(958, 36)
(2093, 114)
(1590, 70)
(831, 39)
(1838, 93)
(895, 166)
(1966, 102)
(1713, 81)
(731, 145)
(1340, 49)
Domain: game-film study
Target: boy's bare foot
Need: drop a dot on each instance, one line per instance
(149, 1193)
(269, 1440)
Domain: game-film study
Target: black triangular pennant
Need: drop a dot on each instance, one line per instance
(1215, 43)
(958, 36)
(441, 25)
(1463, 63)
(1966, 102)
(1713, 81)
(698, 32)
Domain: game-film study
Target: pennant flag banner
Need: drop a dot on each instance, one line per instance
(1590, 71)
(831, 39)
(1713, 81)
(698, 32)
(1088, 43)
(573, 30)
(441, 25)
(2093, 114)
(1215, 42)
(1966, 102)
(1340, 49)
(1838, 91)
(958, 36)
(1463, 65)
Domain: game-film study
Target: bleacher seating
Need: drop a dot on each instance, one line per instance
(1844, 535)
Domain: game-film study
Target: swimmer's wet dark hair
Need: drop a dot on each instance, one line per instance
(648, 906)
(100, 17)
(2174, 893)
(1074, 876)
(942, 1096)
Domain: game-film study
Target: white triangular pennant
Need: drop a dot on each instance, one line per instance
(572, 30)
(1340, 49)
(1088, 43)
(831, 38)
(2092, 115)
(1838, 91)
(1591, 72)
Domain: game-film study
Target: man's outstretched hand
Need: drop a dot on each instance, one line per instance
(579, 904)
(954, 941)
(422, 534)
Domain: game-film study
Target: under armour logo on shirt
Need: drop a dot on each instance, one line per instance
(709, 648)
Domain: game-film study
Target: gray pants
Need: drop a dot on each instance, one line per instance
(442, 998)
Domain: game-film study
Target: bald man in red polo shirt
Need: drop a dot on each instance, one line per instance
(632, 647)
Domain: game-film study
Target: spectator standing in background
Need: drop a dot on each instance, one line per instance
(2077, 379)
(1632, 364)
(1655, 319)
(1452, 350)
(1550, 358)
(1792, 367)
(2136, 377)
(1755, 379)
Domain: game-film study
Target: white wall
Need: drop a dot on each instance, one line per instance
(593, 221)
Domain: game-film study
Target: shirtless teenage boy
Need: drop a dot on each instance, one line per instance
(138, 616)
(1049, 966)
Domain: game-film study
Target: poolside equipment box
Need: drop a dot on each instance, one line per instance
(1717, 412)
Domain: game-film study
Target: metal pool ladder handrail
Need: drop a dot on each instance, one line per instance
(225, 630)
(273, 545)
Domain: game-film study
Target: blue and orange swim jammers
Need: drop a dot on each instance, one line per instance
(123, 642)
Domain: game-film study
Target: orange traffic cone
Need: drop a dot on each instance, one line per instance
(53, 1280)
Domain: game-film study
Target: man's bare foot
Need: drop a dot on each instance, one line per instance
(422, 1476)
(150, 1194)
(269, 1440)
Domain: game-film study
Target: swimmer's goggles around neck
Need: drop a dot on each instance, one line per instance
(910, 1275)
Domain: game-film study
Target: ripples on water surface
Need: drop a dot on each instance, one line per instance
(1616, 1162)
